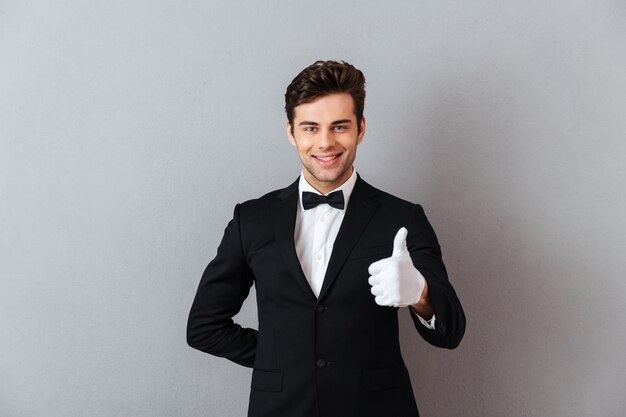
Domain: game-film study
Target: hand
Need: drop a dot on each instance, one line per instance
(395, 281)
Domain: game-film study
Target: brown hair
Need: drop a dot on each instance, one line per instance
(323, 78)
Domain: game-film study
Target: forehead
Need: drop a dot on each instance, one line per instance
(326, 108)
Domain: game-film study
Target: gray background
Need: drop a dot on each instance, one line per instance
(129, 130)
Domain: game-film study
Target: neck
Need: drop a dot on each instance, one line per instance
(323, 187)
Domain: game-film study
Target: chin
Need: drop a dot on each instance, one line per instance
(329, 178)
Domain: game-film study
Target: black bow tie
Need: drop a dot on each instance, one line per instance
(334, 199)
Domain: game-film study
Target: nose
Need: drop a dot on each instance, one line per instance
(326, 139)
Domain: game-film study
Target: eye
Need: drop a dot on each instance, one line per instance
(339, 128)
(310, 129)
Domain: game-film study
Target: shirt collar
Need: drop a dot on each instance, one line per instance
(346, 187)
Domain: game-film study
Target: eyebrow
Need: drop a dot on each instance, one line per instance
(336, 122)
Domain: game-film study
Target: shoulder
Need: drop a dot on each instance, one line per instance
(265, 202)
(386, 198)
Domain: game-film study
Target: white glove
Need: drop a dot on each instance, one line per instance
(395, 281)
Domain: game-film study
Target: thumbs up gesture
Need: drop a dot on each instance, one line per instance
(395, 281)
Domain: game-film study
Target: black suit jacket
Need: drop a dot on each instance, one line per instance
(333, 356)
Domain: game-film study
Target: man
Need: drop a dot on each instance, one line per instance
(332, 259)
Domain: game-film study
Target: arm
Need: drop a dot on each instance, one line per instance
(224, 286)
(424, 308)
(426, 256)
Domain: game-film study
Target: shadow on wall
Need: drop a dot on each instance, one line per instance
(507, 225)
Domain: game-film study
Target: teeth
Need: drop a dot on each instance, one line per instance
(328, 158)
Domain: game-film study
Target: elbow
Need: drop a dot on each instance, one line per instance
(453, 343)
(454, 335)
(204, 341)
(192, 338)
(205, 338)
(198, 337)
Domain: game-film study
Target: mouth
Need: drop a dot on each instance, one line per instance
(327, 158)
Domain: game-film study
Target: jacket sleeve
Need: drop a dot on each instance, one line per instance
(426, 255)
(224, 286)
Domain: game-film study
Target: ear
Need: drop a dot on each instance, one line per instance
(289, 134)
(362, 132)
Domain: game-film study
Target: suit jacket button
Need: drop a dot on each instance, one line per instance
(321, 363)
(320, 308)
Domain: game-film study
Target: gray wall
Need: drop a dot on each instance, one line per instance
(129, 130)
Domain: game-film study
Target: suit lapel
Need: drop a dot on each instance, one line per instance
(360, 209)
(284, 223)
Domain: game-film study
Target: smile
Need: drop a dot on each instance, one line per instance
(326, 158)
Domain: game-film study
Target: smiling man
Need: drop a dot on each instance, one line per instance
(326, 134)
(333, 260)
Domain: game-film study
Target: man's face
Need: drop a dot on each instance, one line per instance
(326, 134)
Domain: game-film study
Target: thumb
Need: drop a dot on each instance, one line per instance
(399, 242)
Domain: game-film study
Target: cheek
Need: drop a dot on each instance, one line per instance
(304, 146)
(349, 148)
(302, 152)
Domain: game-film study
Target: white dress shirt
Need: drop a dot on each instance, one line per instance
(315, 232)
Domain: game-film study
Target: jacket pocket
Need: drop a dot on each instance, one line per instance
(267, 380)
(385, 378)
